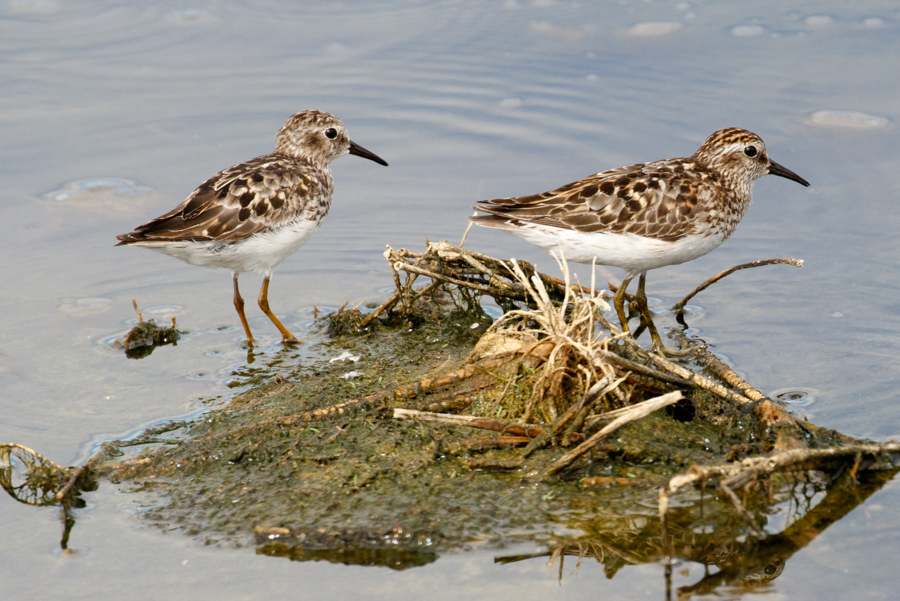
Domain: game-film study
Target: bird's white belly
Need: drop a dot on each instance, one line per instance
(260, 252)
(628, 251)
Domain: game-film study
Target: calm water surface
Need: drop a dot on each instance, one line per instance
(113, 112)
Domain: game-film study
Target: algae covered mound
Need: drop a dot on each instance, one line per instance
(551, 427)
(279, 468)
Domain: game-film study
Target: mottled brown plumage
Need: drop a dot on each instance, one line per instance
(252, 216)
(644, 216)
(253, 197)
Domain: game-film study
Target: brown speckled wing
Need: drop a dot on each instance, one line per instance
(240, 201)
(650, 199)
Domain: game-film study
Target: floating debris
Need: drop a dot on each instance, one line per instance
(144, 337)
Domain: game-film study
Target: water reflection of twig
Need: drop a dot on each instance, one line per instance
(742, 562)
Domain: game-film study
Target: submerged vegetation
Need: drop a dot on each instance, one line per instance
(426, 427)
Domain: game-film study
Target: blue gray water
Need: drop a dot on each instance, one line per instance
(112, 112)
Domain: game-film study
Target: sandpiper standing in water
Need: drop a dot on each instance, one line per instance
(644, 216)
(252, 216)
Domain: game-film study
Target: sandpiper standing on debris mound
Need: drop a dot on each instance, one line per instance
(252, 216)
(644, 216)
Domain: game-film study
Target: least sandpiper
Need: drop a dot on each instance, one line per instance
(644, 216)
(252, 216)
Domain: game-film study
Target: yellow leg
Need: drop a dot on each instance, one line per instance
(619, 301)
(264, 305)
(239, 305)
(647, 319)
(644, 309)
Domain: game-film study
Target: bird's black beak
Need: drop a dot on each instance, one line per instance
(776, 169)
(362, 152)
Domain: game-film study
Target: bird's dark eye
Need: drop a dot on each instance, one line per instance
(331, 133)
(750, 151)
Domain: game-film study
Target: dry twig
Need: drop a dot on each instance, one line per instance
(482, 423)
(737, 475)
(635, 413)
(679, 306)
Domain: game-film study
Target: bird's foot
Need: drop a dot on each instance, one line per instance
(663, 351)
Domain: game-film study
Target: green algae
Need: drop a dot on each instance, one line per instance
(364, 487)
